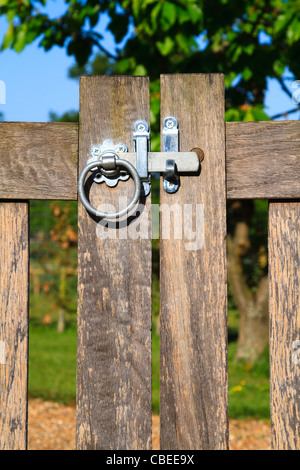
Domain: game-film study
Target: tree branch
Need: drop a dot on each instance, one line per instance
(262, 294)
(291, 111)
(284, 87)
(237, 247)
(96, 42)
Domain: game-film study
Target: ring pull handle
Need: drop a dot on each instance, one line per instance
(109, 163)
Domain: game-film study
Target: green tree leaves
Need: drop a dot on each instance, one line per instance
(246, 113)
(249, 39)
(165, 47)
(168, 15)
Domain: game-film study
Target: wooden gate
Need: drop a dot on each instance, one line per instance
(242, 160)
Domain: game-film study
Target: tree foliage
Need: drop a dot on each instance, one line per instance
(246, 40)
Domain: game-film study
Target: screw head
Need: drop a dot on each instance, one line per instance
(170, 122)
(121, 148)
(96, 150)
(141, 127)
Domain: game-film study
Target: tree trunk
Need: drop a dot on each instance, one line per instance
(253, 308)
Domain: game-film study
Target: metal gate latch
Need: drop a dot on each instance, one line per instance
(112, 162)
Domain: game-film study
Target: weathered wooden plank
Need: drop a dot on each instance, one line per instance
(114, 284)
(14, 279)
(263, 160)
(38, 160)
(193, 328)
(284, 301)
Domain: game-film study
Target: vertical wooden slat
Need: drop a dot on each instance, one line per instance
(284, 306)
(193, 333)
(114, 284)
(14, 259)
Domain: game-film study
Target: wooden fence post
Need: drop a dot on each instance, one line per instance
(284, 306)
(193, 398)
(114, 283)
(14, 283)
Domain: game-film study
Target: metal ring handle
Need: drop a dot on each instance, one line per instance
(107, 215)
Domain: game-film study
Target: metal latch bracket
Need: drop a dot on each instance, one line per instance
(170, 162)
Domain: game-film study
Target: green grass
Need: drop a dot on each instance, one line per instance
(249, 389)
(52, 365)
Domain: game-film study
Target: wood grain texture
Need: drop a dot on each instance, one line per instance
(114, 284)
(263, 160)
(193, 331)
(38, 160)
(14, 280)
(284, 305)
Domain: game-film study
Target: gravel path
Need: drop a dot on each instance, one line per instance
(52, 427)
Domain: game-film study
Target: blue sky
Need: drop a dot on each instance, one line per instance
(37, 82)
